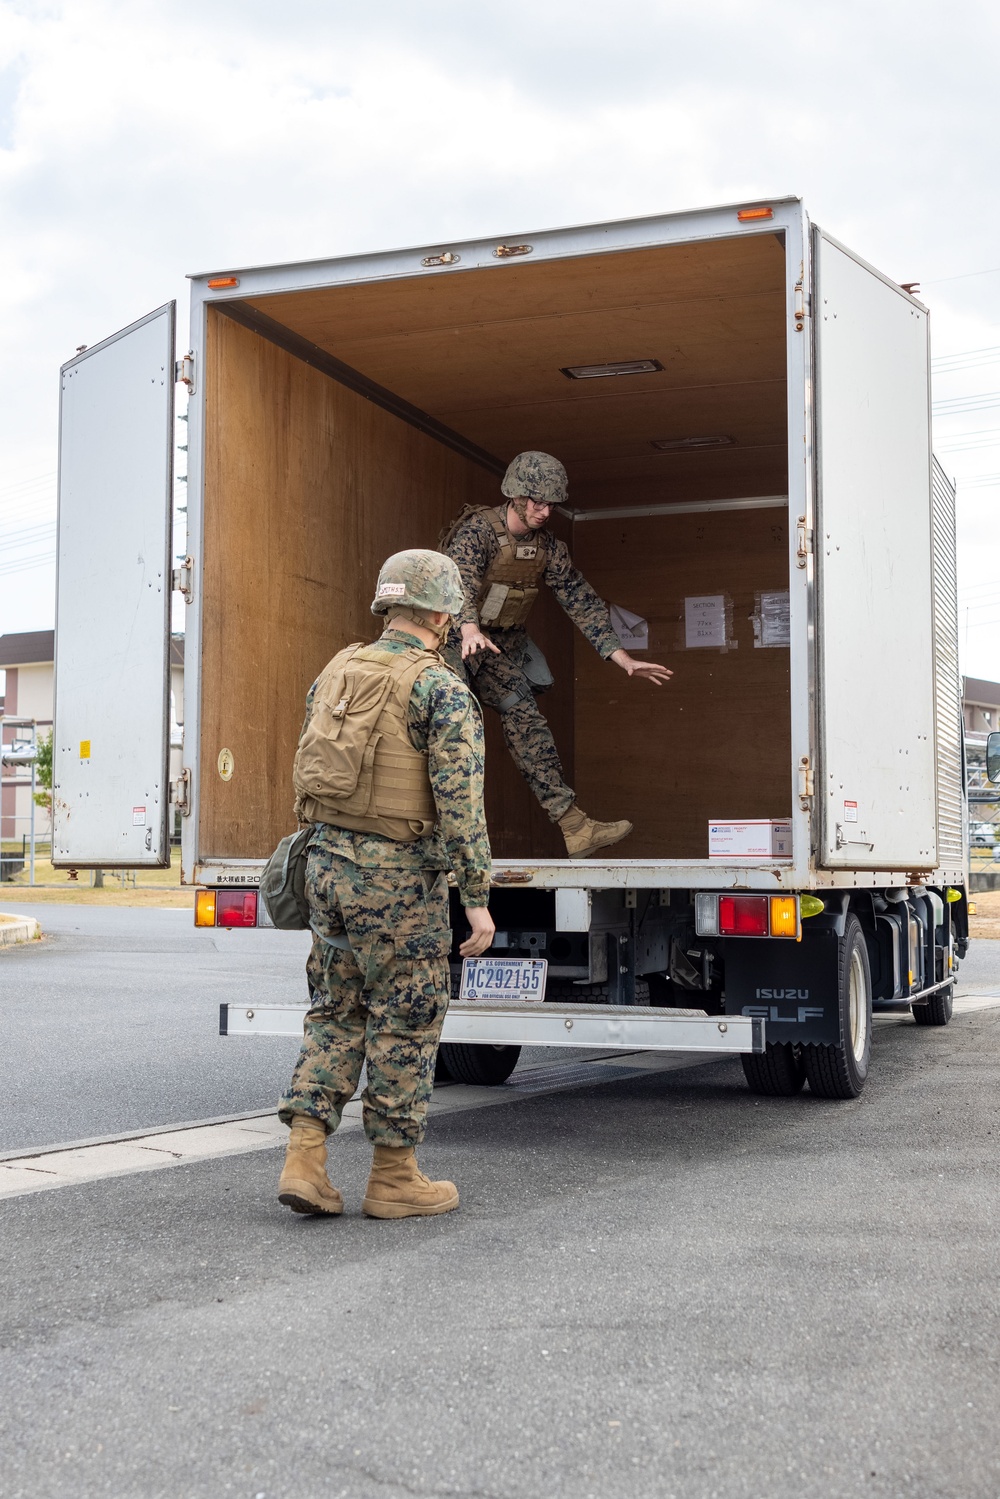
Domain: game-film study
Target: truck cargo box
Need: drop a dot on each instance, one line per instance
(742, 407)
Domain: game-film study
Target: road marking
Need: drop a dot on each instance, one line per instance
(71, 1165)
(95, 1160)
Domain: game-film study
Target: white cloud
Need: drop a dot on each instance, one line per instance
(140, 141)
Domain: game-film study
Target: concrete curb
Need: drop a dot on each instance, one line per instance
(18, 929)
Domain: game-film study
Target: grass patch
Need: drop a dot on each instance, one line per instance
(153, 887)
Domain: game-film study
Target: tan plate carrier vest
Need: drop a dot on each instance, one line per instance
(355, 766)
(510, 586)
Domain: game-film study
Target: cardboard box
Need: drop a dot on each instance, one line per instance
(756, 839)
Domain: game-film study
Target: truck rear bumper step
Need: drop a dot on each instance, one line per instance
(610, 1027)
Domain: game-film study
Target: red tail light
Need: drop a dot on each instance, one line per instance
(236, 908)
(742, 916)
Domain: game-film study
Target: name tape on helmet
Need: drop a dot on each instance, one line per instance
(390, 590)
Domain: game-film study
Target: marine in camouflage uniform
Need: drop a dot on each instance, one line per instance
(378, 973)
(506, 669)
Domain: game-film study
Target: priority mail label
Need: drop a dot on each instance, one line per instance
(758, 838)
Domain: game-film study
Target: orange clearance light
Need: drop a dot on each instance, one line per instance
(784, 916)
(222, 283)
(743, 214)
(204, 908)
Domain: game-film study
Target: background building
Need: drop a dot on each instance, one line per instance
(27, 662)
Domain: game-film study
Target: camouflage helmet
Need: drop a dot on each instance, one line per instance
(536, 476)
(418, 580)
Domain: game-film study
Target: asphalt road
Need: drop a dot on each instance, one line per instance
(111, 1023)
(660, 1286)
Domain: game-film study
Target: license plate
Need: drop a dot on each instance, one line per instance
(521, 980)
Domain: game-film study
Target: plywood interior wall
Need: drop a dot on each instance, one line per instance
(483, 352)
(714, 742)
(308, 488)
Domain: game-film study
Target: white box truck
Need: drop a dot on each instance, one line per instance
(743, 408)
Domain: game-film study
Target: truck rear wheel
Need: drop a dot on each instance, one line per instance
(938, 1009)
(482, 1066)
(778, 1072)
(840, 1071)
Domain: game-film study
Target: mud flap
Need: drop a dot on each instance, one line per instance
(790, 985)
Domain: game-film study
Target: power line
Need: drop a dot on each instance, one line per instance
(965, 359)
(21, 483)
(958, 405)
(27, 536)
(16, 565)
(940, 280)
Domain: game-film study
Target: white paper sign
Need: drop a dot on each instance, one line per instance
(774, 619)
(705, 620)
(631, 629)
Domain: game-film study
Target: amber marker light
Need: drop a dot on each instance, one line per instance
(223, 283)
(745, 216)
(785, 916)
(204, 908)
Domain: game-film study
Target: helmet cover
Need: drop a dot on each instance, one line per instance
(418, 579)
(536, 476)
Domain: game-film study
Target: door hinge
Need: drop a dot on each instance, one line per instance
(805, 784)
(182, 579)
(180, 792)
(184, 371)
(801, 307)
(804, 545)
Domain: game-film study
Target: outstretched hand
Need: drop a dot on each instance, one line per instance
(474, 640)
(650, 670)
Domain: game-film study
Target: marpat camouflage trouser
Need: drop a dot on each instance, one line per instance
(501, 684)
(381, 999)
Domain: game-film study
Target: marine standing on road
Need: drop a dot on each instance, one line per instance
(503, 556)
(389, 771)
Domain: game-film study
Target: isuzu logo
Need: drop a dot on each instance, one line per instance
(774, 1015)
(782, 993)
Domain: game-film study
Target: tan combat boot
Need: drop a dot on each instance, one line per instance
(585, 836)
(304, 1186)
(397, 1188)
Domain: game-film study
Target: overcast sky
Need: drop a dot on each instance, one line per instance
(143, 140)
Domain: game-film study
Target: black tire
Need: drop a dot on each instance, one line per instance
(778, 1072)
(840, 1071)
(480, 1066)
(938, 1010)
(441, 1073)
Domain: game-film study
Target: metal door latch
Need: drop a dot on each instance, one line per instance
(181, 579)
(862, 841)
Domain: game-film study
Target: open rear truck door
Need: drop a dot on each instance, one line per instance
(111, 739)
(876, 783)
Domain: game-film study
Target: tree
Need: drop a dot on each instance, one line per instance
(43, 773)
